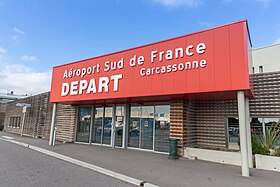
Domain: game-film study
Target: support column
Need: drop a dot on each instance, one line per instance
(23, 120)
(125, 126)
(113, 126)
(52, 124)
(243, 133)
(249, 139)
(263, 128)
(91, 124)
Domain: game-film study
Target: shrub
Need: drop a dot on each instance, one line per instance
(277, 152)
(271, 134)
(257, 147)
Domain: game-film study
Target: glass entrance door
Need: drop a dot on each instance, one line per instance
(119, 123)
(134, 126)
(83, 127)
(107, 126)
(97, 127)
(147, 127)
(162, 125)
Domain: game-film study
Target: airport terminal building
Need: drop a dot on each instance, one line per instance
(192, 87)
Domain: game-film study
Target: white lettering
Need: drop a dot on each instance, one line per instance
(116, 78)
(103, 83)
(65, 89)
(153, 55)
(140, 60)
(107, 67)
(91, 86)
(83, 86)
(203, 63)
(73, 88)
(200, 48)
(132, 61)
(188, 50)
(65, 75)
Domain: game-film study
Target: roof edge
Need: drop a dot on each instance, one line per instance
(145, 45)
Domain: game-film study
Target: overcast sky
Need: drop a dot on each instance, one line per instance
(36, 35)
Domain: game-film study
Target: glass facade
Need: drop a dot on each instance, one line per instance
(97, 125)
(258, 126)
(162, 124)
(107, 126)
(119, 123)
(134, 126)
(83, 127)
(147, 126)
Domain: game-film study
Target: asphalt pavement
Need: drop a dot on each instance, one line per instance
(26, 168)
(151, 167)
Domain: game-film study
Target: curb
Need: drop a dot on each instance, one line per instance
(104, 171)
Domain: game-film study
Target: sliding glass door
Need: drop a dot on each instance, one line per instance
(149, 127)
(83, 126)
(97, 127)
(134, 126)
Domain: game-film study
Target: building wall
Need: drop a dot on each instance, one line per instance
(268, 57)
(65, 122)
(38, 118)
(207, 120)
(196, 123)
(267, 95)
(2, 114)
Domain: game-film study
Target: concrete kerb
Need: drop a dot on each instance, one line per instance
(104, 171)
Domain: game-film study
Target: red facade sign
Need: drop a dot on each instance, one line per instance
(213, 60)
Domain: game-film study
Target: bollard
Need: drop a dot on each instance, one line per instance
(54, 136)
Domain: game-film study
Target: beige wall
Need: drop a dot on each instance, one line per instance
(268, 57)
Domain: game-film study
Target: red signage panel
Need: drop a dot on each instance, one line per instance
(213, 60)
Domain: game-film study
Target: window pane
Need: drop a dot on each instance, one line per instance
(134, 126)
(162, 122)
(256, 126)
(97, 125)
(119, 125)
(83, 128)
(147, 127)
(107, 126)
(233, 130)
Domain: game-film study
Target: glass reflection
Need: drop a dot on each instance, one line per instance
(97, 125)
(147, 127)
(83, 128)
(119, 125)
(134, 126)
(233, 130)
(162, 124)
(107, 127)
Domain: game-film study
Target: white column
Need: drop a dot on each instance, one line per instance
(249, 139)
(91, 124)
(113, 126)
(125, 126)
(52, 124)
(243, 133)
(23, 121)
(263, 128)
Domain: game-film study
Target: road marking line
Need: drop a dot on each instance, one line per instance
(8, 137)
(104, 171)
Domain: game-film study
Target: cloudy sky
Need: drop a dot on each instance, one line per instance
(37, 35)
